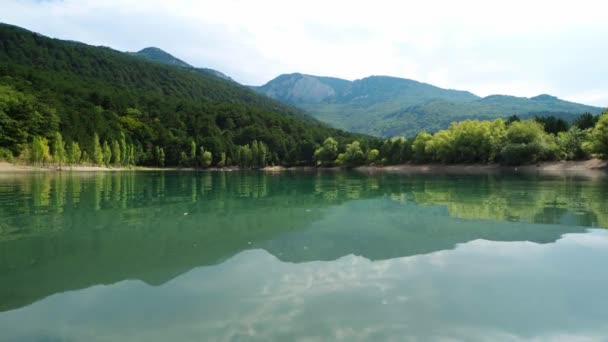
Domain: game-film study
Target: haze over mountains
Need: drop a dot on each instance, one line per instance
(390, 106)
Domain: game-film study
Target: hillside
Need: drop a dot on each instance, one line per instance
(155, 54)
(49, 85)
(388, 106)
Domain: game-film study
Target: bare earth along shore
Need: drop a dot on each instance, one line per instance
(585, 167)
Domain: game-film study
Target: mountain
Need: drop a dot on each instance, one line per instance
(157, 55)
(49, 85)
(388, 106)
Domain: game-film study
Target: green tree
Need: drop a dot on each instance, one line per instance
(59, 154)
(527, 142)
(206, 158)
(192, 153)
(40, 152)
(97, 150)
(326, 154)
(74, 153)
(107, 154)
(372, 156)
(353, 155)
(419, 147)
(599, 136)
(116, 154)
(585, 121)
(222, 161)
(572, 144)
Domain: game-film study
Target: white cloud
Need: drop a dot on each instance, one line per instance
(519, 47)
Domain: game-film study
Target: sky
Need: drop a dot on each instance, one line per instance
(521, 48)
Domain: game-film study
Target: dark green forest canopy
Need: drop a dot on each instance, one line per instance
(49, 85)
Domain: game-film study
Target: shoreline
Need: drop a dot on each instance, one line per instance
(585, 167)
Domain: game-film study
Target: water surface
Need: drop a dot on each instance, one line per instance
(252, 256)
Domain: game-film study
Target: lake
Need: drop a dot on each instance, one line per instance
(195, 256)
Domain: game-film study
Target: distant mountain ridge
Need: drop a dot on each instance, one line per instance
(158, 55)
(388, 106)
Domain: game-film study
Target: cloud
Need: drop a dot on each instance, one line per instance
(515, 47)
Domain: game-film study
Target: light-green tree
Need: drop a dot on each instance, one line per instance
(97, 150)
(192, 153)
(107, 154)
(40, 152)
(74, 153)
(59, 154)
(419, 147)
(353, 155)
(206, 158)
(116, 154)
(599, 136)
(326, 154)
(372, 156)
(222, 161)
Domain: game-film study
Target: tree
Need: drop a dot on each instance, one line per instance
(40, 150)
(572, 144)
(222, 161)
(326, 155)
(97, 151)
(419, 147)
(552, 124)
(74, 153)
(59, 154)
(183, 159)
(372, 156)
(107, 154)
(353, 155)
(116, 154)
(161, 157)
(599, 136)
(192, 153)
(527, 142)
(206, 158)
(124, 156)
(585, 121)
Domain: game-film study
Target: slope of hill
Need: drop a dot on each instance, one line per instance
(387, 106)
(157, 55)
(49, 85)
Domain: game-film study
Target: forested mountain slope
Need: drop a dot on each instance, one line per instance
(49, 85)
(390, 106)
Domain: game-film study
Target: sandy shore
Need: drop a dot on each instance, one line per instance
(586, 167)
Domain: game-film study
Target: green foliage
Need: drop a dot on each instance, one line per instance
(572, 144)
(97, 153)
(107, 154)
(116, 154)
(327, 154)
(599, 136)
(527, 142)
(40, 152)
(222, 161)
(74, 153)
(6, 155)
(585, 121)
(59, 153)
(419, 146)
(353, 155)
(205, 158)
(552, 124)
(373, 156)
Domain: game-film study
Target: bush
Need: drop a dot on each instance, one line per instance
(6, 155)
